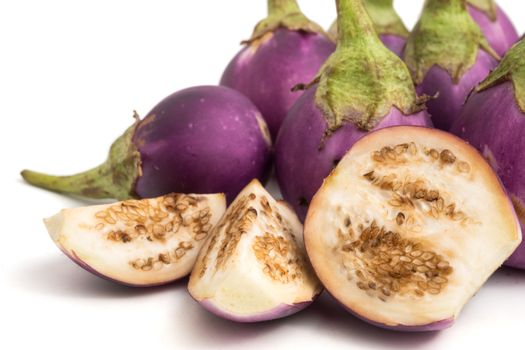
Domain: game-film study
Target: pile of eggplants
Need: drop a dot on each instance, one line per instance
(294, 100)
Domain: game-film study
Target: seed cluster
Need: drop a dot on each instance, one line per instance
(237, 221)
(382, 263)
(279, 254)
(166, 258)
(154, 219)
(399, 153)
(280, 257)
(406, 192)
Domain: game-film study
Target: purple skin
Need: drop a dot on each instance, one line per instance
(267, 74)
(301, 166)
(88, 268)
(395, 43)
(204, 139)
(446, 107)
(280, 311)
(492, 122)
(501, 34)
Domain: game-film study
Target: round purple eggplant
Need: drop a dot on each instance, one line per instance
(205, 139)
(387, 23)
(493, 121)
(286, 49)
(494, 23)
(447, 55)
(349, 98)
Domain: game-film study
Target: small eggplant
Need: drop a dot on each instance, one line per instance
(205, 139)
(362, 87)
(286, 48)
(447, 55)
(493, 121)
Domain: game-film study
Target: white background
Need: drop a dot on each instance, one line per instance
(71, 73)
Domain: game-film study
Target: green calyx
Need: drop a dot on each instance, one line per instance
(511, 68)
(284, 14)
(115, 178)
(445, 36)
(362, 80)
(383, 15)
(487, 6)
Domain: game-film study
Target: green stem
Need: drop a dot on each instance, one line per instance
(383, 15)
(382, 3)
(282, 7)
(487, 6)
(445, 36)
(353, 23)
(115, 178)
(445, 5)
(362, 80)
(87, 184)
(385, 18)
(283, 14)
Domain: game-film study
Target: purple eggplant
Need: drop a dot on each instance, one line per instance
(447, 55)
(205, 139)
(286, 49)
(493, 121)
(387, 23)
(494, 23)
(363, 86)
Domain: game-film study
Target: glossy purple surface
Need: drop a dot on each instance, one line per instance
(280, 311)
(446, 107)
(266, 74)
(492, 122)
(301, 165)
(395, 43)
(501, 33)
(204, 139)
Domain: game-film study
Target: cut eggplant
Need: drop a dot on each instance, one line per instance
(408, 226)
(138, 242)
(254, 265)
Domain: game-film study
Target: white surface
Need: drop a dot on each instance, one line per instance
(71, 74)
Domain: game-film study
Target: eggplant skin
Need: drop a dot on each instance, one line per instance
(303, 159)
(205, 139)
(266, 71)
(450, 97)
(501, 33)
(492, 121)
(280, 311)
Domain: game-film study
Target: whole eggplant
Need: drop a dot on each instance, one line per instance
(286, 49)
(362, 87)
(494, 23)
(387, 24)
(493, 121)
(447, 56)
(205, 139)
